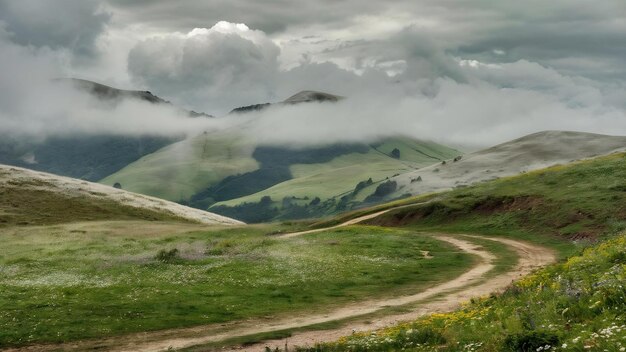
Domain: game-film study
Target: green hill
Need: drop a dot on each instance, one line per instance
(225, 170)
(580, 201)
(29, 198)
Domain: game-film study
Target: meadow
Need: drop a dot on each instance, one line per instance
(95, 279)
(577, 305)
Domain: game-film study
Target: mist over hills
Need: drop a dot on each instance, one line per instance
(231, 170)
(94, 156)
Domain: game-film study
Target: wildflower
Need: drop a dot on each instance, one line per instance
(564, 345)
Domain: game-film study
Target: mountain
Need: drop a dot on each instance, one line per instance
(30, 197)
(88, 157)
(521, 155)
(305, 96)
(109, 93)
(105, 92)
(309, 96)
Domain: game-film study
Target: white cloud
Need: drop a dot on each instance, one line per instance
(212, 69)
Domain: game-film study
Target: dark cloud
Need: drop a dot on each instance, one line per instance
(269, 16)
(472, 72)
(65, 24)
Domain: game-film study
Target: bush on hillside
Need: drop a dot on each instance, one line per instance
(166, 256)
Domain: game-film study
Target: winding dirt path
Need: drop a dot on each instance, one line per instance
(443, 297)
(531, 257)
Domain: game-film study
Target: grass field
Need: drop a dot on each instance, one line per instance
(95, 279)
(339, 176)
(577, 305)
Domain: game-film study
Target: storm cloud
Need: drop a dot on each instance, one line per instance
(74, 25)
(470, 73)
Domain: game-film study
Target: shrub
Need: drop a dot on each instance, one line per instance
(166, 256)
(530, 341)
(315, 201)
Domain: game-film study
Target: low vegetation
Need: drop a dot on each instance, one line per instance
(30, 206)
(579, 202)
(98, 279)
(577, 305)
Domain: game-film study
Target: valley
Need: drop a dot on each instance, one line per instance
(292, 282)
(301, 176)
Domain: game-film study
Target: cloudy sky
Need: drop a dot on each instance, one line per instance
(467, 72)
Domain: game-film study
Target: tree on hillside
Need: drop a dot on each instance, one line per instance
(395, 153)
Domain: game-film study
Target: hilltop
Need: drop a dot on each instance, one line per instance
(305, 96)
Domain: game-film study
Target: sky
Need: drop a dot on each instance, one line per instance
(470, 72)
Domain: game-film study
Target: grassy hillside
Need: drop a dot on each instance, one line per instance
(183, 169)
(340, 175)
(578, 305)
(581, 201)
(226, 170)
(528, 153)
(35, 198)
(26, 203)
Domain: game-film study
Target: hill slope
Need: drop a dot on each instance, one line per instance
(228, 168)
(524, 154)
(34, 198)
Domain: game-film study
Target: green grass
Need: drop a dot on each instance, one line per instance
(506, 258)
(578, 305)
(558, 206)
(84, 280)
(339, 176)
(183, 169)
(22, 204)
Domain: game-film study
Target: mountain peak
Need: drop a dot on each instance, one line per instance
(307, 96)
(105, 92)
